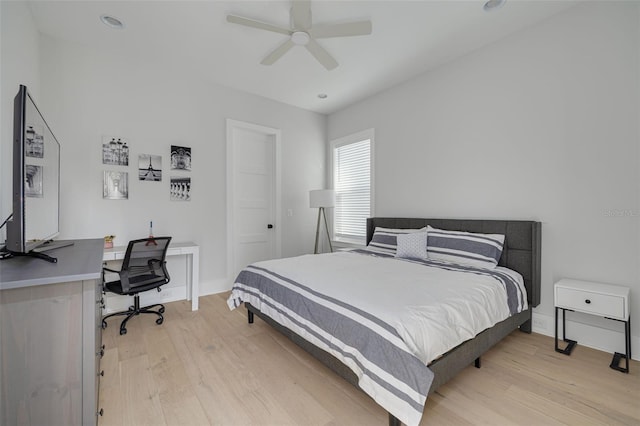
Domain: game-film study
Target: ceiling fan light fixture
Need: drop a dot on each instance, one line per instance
(112, 22)
(302, 32)
(300, 38)
(492, 5)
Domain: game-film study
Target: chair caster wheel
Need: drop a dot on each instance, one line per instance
(104, 325)
(161, 310)
(123, 331)
(159, 321)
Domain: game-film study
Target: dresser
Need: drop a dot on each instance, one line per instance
(51, 337)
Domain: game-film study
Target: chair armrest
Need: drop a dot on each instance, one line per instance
(107, 270)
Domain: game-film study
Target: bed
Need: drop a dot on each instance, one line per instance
(330, 305)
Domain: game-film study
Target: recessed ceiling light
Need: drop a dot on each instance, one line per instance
(322, 95)
(492, 5)
(112, 22)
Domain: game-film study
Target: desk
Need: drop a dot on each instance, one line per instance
(192, 252)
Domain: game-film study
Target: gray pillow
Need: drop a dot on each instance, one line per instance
(412, 246)
(384, 240)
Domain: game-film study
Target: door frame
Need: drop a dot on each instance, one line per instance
(231, 235)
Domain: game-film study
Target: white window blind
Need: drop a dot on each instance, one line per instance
(352, 183)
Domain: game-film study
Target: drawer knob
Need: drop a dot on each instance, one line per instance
(587, 301)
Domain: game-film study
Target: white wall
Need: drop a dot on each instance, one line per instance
(85, 94)
(541, 125)
(88, 94)
(19, 60)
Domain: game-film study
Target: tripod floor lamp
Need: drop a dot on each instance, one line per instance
(320, 199)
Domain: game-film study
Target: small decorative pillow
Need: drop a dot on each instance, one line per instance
(467, 248)
(412, 246)
(384, 240)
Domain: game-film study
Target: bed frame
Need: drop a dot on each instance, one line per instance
(521, 253)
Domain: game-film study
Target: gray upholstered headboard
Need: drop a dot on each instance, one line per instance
(521, 249)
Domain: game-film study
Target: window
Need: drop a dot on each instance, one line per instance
(352, 171)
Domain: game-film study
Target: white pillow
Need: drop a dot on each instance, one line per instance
(412, 246)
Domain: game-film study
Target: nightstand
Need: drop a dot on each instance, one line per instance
(604, 300)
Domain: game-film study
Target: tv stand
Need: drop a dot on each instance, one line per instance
(38, 251)
(36, 255)
(52, 245)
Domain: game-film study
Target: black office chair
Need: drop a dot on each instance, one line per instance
(143, 268)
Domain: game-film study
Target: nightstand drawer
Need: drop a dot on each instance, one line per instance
(592, 303)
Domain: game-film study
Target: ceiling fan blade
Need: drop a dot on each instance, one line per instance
(301, 14)
(257, 24)
(342, 30)
(277, 53)
(321, 54)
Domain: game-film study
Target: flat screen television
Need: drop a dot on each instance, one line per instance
(36, 180)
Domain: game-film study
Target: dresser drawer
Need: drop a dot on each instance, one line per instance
(591, 303)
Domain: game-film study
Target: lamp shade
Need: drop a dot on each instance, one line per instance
(322, 198)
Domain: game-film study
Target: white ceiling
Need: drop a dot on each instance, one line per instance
(409, 38)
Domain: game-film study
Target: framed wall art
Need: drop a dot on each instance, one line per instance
(180, 158)
(115, 185)
(150, 167)
(115, 151)
(180, 188)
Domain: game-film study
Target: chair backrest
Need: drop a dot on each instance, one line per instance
(144, 263)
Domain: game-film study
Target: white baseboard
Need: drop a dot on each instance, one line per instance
(169, 293)
(215, 286)
(591, 336)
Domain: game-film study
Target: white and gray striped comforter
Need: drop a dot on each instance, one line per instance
(385, 318)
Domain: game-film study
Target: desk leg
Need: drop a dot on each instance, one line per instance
(189, 267)
(571, 343)
(628, 331)
(194, 278)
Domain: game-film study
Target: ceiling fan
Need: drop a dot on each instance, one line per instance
(304, 33)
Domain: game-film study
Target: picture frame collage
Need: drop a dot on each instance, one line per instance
(116, 152)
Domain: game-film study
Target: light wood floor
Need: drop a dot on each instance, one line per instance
(211, 367)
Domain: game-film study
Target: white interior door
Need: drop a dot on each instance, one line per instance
(253, 194)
